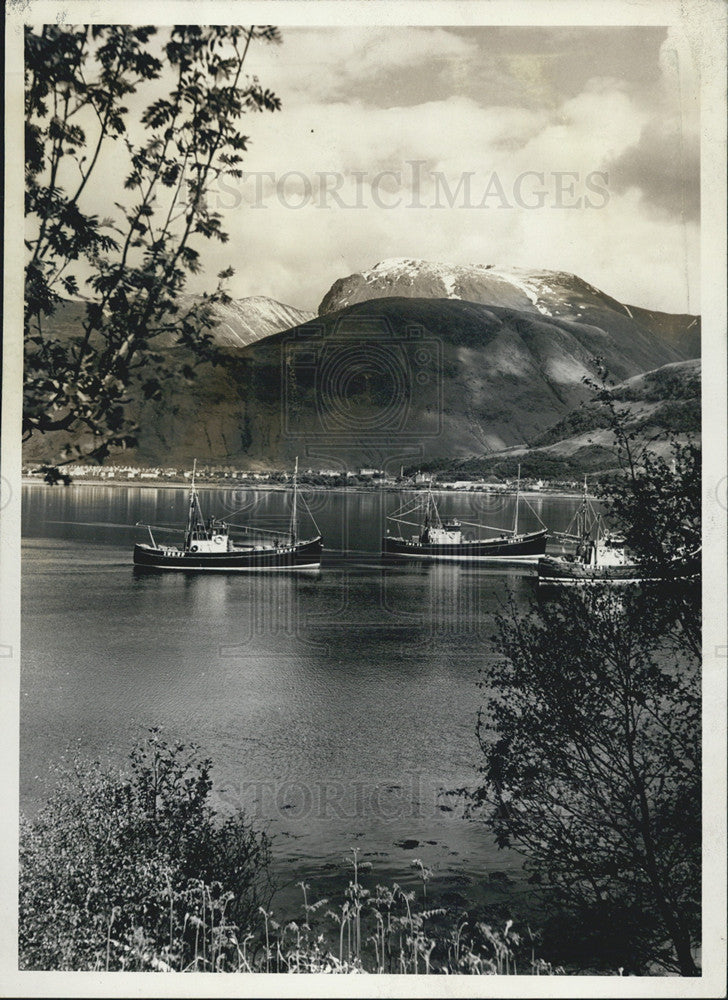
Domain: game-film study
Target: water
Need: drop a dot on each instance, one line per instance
(339, 706)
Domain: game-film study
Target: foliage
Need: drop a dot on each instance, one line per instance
(52, 475)
(591, 744)
(199, 926)
(388, 930)
(671, 382)
(590, 734)
(657, 505)
(121, 866)
(131, 266)
(578, 421)
(534, 465)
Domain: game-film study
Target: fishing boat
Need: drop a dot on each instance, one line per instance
(601, 556)
(208, 546)
(598, 555)
(448, 539)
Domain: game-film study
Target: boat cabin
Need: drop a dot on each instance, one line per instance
(210, 536)
(448, 533)
(607, 551)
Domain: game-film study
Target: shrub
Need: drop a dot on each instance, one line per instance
(121, 870)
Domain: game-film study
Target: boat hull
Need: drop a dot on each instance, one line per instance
(304, 555)
(524, 548)
(564, 572)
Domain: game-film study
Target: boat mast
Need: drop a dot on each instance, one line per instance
(583, 528)
(432, 514)
(294, 512)
(518, 495)
(191, 510)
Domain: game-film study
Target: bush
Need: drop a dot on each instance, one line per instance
(134, 871)
(590, 735)
(122, 871)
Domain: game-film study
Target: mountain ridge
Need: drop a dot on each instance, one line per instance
(555, 294)
(240, 322)
(658, 406)
(433, 377)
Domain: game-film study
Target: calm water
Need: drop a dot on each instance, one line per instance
(338, 706)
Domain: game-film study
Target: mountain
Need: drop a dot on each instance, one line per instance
(656, 405)
(664, 400)
(393, 379)
(245, 321)
(554, 294)
(239, 323)
(396, 379)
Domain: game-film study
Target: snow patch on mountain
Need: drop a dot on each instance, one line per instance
(241, 322)
(549, 293)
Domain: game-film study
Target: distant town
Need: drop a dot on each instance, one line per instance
(367, 478)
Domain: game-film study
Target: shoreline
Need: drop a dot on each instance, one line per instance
(304, 487)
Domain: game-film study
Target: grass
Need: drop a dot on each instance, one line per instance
(389, 930)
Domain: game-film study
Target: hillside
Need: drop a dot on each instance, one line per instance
(553, 294)
(656, 404)
(664, 400)
(389, 379)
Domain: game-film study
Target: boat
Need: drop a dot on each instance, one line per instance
(600, 555)
(208, 546)
(602, 560)
(447, 540)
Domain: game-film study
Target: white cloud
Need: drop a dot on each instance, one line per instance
(325, 64)
(370, 100)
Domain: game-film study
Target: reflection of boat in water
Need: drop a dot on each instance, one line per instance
(601, 556)
(446, 540)
(207, 545)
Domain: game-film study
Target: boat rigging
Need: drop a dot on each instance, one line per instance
(445, 539)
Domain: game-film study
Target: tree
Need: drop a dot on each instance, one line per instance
(657, 504)
(591, 744)
(590, 733)
(130, 267)
(119, 865)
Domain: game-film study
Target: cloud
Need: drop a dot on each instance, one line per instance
(664, 166)
(463, 150)
(467, 107)
(327, 64)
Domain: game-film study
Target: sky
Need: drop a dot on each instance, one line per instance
(573, 149)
